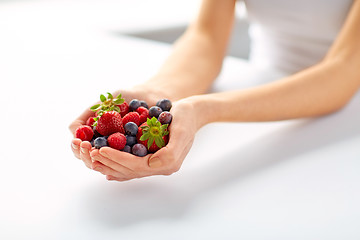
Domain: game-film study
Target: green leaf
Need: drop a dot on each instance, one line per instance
(95, 107)
(145, 128)
(166, 133)
(112, 108)
(150, 142)
(102, 98)
(164, 127)
(116, 108)
(145, 136)
(159, 141)
(153, 121)
(110, 96)
(119, 101)
(118, 96)
(148, 121)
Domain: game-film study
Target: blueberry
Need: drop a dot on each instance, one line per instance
(92, 143)
(131, 128)
(134, 104)
(130, 140)
(100, 142)
(144, 104)
(139, 150)
(127, 149)
(165, 118)
(164, 104)
(154, 111)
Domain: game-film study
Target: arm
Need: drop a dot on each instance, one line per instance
(321, 89)
(197, 56)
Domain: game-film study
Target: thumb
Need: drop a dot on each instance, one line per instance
(155, 161)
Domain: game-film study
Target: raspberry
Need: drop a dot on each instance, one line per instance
(124, 109)
(90, 121)
(144, 114)
(131, 117)
(117, 141)
(84, 132)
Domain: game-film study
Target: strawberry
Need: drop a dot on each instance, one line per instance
(117, 141)
(131, 117)
(109, 122)
(90, 121)
(153, 135)
(144, 114)
(124, 109)
(107, 104)
(84, 132)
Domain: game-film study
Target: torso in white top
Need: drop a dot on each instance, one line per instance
(291, 35)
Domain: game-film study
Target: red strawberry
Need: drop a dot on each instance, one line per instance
(144, 114)
(109, 123)
(153, 135)
(117, 141)
(131, 117)
(124, 109)
(90, 121)
(84, 132)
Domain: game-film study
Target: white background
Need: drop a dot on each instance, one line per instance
(282, 180)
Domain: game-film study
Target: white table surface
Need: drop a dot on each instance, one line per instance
(281, 180)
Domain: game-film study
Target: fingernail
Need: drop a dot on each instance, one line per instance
(74, 146)
(97, 169)
(154, 162)
(83, 150)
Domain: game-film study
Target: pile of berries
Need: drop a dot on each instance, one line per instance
(130, 127)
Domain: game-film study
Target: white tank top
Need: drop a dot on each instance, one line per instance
(291, 35)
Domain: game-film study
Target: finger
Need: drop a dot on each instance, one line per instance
(126, 172)
(81, 120)
(130, 161)
(75, 147)
(105, 170)
(112, 178)
(85, 148)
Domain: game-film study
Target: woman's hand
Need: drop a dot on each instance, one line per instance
(81, 149)
(122, 166)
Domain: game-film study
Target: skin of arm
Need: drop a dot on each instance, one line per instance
(197, 56)
(191, 68)
(318, 90)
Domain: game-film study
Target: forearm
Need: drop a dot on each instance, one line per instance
(190, 69)
(196, 58)
(316, 91)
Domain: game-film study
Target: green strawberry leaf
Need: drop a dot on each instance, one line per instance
(95, 107)
(110, 96)
(145, 136)
(117, 109)
(150, 141)
(159, 141)
(119, 101)
(102, 98)
(164, 127)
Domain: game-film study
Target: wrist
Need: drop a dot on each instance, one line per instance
(202, 108)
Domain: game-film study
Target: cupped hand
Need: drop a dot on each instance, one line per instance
(82, 149)
(122, 166)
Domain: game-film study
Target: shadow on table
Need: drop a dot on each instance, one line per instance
(123, 204)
